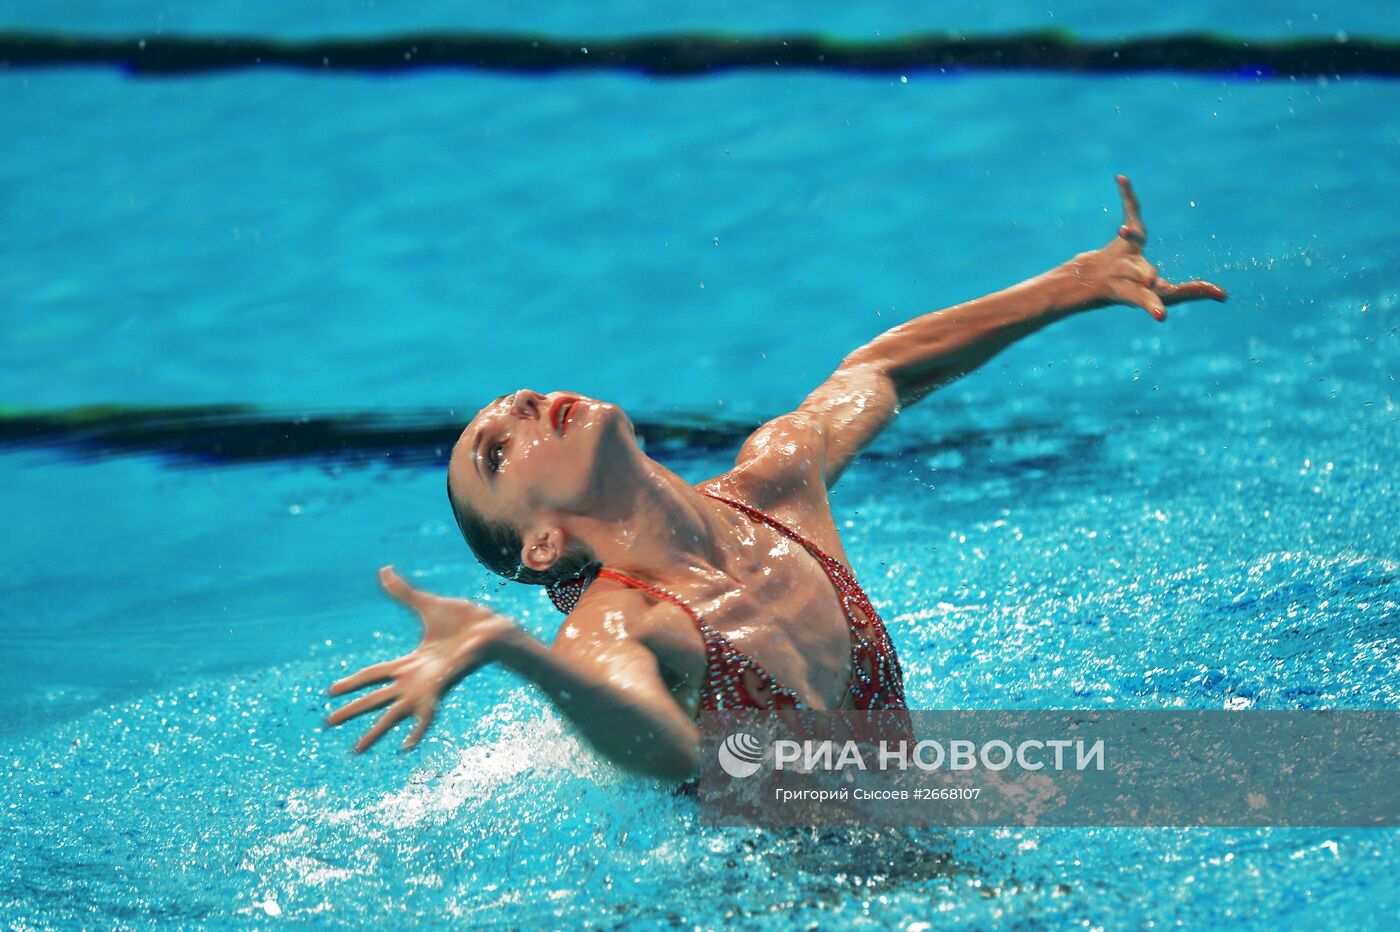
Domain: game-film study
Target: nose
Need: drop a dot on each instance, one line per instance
(526, 404)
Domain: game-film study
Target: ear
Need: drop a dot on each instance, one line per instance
(542, 548)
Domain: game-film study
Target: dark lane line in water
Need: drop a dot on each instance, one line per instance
(699, 54)
(230, 435)
(218, 435)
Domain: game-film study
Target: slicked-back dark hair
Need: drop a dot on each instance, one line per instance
(498, 547)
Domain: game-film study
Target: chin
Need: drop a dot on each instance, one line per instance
(616, 430)
(613, 452)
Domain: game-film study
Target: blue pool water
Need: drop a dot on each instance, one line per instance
(1114, 514)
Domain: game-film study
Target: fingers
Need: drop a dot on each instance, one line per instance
(396, 713)
(425, 718)
(394, 584)
(376, 673)
(1132, 229)
(380, 697)
(1139, 269)
(1147, 299)
(1131, 208)
(1189, 291)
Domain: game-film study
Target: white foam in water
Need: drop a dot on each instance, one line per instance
(482, 770)
(1113, 515)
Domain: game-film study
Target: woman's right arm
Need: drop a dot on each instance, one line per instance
(904, 364)
(609, 685)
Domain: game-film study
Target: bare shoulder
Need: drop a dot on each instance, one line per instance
(779, 465)
(616, 626)
(611, 613)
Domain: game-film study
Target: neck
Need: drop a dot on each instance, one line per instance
(657, 526)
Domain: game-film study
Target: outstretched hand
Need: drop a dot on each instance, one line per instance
(457, 638)
(1120, 275)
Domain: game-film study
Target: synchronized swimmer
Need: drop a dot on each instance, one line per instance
(733, 593)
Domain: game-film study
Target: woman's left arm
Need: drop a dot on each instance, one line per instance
(904, 364)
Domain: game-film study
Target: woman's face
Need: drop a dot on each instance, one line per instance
(528, 457)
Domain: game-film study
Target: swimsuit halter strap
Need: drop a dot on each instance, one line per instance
(725, 665)
(774, 523)
(878, 677)
(847, 588)
(655, 592)
(566, 595)
(875, 672)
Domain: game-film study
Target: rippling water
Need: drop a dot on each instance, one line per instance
(1183, 555)
(1113, 515)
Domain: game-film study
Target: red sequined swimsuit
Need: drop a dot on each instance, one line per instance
(734, 680)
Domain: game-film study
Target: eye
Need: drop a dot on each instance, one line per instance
(494, 456)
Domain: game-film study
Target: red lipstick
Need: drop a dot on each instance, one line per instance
(561, 413)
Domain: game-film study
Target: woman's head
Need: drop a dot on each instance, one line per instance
(499, 545)
(525, 468)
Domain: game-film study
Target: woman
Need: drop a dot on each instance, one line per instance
(732, 593)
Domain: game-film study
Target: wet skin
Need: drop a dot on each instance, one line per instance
(566, 472)
(580, 485)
